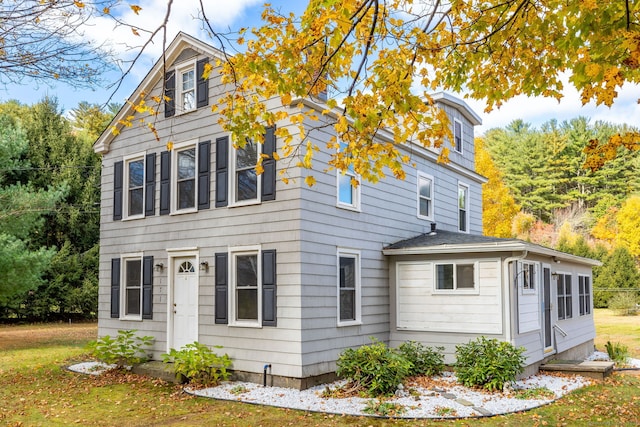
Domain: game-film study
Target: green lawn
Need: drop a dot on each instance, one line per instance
(36, 389)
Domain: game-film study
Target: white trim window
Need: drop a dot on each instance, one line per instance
(131, 287)
(425, 196)
(459, 277)
(186, 87)
(348, 188)
(349, 294)
(463, 207)
(246, 184)
(527, 277)
(457, 136)
(184, 183)
(246, 287)
(134, 186)
(584, 294)
(564, 293)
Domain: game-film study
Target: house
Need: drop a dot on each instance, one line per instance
(195, 246)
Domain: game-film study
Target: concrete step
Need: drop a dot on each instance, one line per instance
(158, 369)
(598, 370)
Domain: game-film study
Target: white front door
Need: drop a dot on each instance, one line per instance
(185, 302)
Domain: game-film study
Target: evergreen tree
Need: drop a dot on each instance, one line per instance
(619, 271)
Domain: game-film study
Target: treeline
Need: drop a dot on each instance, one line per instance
(538, 190)
(49, 210)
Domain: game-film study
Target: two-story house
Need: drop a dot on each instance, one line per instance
(195, 246)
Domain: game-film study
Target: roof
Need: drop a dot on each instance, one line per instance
(448, 242)
(459, 104)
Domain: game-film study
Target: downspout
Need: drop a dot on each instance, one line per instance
(505, 273)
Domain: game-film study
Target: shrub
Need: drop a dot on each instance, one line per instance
(199, 365)
(488, 363)
(385, 409)
(623, 303)
(617, 352)
(424, 360)
(374, 367)
(126, 349)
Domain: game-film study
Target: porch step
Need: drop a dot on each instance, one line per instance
(598, 370)
(157, 369)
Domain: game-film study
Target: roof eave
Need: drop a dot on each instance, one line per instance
(508, 246)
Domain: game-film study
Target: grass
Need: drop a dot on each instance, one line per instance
(617, 329)
(36, 390)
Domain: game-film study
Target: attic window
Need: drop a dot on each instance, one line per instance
(187, 89)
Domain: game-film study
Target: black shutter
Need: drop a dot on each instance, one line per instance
(204, 174)
(150, 185)
(202, 90)
(118, 177)
(115, 287)
(170, 93)
(165, 182)
(222, 171)
(222, 289)
(147, 287)
(269, 165)
(269, 306)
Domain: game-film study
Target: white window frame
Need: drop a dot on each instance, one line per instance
(457, 291)
(234, 179)
(355, 189)
(564, 295)
(180, 70)
(125, 205)
(355, 255)
(465, 188)
(458, 148)
(174, 177)
(233, 254)
(528, 285)
(123, 285)
(584, 298)
(423, 176)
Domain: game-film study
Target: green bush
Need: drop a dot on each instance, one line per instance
(623, 303)
(424, 360)
(126, 349)
(199, 365)
(617, 352)
(374, 367)
(488, 363)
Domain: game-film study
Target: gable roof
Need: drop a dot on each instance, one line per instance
(171, 53)
(448, 242)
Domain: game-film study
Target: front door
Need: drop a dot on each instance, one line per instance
(546, 309)
(185, 302)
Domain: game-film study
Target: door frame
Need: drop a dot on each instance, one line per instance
(551, 348)
(172, 254)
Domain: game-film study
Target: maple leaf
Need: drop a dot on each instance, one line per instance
(136, 9)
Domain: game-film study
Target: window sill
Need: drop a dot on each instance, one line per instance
(456, 292)
(252, 325)
(184, 211)
(348, 207)
(425, 218)
(245, 203)
(349, 323)
(133, 218)
(131, 318)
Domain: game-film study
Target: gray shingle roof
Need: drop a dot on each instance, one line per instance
(442, 237)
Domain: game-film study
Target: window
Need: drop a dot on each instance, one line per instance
(134, 192)
(132, 274)
(455, 276)
(463, 207)
(457, 135)
(564, 296)
(246, 178)
(246, 285)
(348, 190)
(348, 287)
(184, 178)
(187, 85)
(528, 277)
(425, 196)
(584, 294)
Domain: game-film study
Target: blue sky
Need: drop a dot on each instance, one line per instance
(234, 14)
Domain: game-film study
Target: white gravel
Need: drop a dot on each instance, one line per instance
(447, 400)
